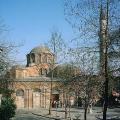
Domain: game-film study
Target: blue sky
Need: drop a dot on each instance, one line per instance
(30, 22)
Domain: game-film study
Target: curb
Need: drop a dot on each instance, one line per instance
(47, 117)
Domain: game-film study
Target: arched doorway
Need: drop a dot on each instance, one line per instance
(55, 98)
(20, 98)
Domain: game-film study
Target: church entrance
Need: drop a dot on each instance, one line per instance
(55, 100)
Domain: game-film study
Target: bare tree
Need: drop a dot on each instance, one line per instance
(91, 17)
(87, 85)
(66, 72)
(57, 46)
(114, 51)
(7, 106)
(7, 51)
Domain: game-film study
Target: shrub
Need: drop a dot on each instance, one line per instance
(7, 108)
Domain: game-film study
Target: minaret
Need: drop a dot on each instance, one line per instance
(102, 39)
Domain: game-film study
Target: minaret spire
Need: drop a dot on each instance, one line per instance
(102, 37)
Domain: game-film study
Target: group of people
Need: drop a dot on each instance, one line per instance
(59, 104)
(56, 104)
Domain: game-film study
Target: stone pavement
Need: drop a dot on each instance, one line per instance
(74, 113)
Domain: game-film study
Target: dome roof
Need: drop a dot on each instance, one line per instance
(40, 49)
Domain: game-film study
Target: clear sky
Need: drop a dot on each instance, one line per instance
(30, 22)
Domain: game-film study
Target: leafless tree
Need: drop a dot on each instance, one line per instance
(87, 84)
(86, 17)
(57, 46)
(7, 52)
(66, 72)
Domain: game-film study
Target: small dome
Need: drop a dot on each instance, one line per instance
(40, 49)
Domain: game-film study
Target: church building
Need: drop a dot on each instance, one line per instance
(31, 85)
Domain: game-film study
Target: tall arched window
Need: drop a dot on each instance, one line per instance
(33, 57)
(43, 71)
(44, 58)
(28, 59)
(49, 58)
(39, 58)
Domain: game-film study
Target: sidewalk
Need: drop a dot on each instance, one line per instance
(60, 113)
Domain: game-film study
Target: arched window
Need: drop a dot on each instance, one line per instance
(28, 59)
(33, 57)
(49, 58)
(44, 58)
(39, 58)
(20, 92)
(43, 71)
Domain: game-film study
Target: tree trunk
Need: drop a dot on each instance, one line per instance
(65, 112)
(69, 106)
(50, 106)
(85, 114)
(105, 100)
(85, 108)
(65, 104)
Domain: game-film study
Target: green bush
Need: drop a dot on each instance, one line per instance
(7, 108)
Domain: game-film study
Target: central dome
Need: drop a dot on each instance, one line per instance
(40, 49)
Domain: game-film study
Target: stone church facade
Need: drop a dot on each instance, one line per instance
(31, 85)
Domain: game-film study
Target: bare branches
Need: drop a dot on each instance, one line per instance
(57, 45)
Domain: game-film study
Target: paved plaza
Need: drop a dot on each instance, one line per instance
(42, 114)
(27, 115)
